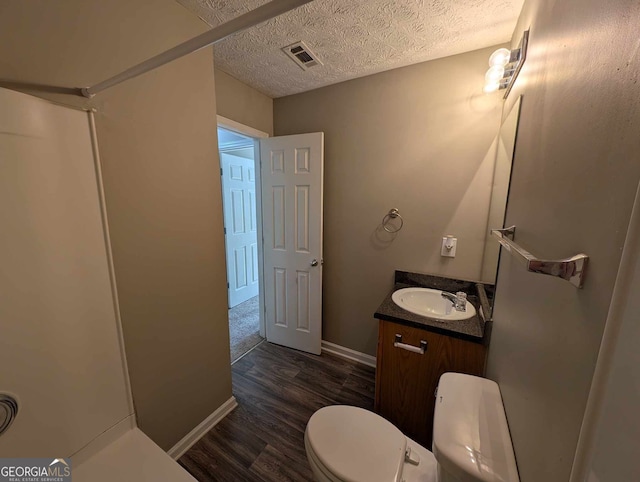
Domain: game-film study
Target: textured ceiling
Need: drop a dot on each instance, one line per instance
(352, 38)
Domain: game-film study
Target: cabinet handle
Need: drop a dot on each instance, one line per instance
(414, 349)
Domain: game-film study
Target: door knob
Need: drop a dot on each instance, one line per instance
(314, 262)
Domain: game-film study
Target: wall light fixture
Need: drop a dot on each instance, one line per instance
(504, 67)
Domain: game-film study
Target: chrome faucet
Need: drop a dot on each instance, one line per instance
(459, 300)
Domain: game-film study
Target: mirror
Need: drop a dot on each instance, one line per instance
(506, 142)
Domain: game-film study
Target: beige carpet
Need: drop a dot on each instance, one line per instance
(244, 327)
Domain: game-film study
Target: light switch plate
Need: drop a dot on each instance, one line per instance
(449, 245)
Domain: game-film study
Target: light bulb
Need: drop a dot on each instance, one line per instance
(500, 57)
(494, 73)
(491, 87)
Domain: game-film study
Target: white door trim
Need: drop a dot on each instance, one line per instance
(234, 126)
(256, 134)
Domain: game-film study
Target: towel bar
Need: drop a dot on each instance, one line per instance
(571, 269)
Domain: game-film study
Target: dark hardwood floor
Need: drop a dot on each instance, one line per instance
(277, 390)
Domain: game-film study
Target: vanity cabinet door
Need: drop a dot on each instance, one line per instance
(406, 381)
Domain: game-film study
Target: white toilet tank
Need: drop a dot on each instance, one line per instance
(471, 440)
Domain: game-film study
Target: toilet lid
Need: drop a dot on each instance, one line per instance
(355, 444)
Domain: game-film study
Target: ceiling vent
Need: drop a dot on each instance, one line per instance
(301, 55)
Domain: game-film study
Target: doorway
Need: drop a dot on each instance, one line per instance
(272, 203)
(241, 207)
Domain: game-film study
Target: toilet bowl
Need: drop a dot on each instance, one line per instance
(346, 443)
(471, 441)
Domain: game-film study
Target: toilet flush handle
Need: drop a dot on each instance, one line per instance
(411, 457)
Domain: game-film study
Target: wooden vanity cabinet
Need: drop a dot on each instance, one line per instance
(406, 381)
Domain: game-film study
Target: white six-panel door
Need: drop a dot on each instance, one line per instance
(292, 176)
(239, 196)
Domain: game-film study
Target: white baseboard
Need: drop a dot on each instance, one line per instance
(197, 433)
(348, 353)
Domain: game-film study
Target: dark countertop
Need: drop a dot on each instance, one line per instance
(473, 329)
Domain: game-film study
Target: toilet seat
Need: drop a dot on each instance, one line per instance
(350, 444)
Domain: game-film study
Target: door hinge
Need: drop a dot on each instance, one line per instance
(225, 230)
(227, 285)
(221, 171)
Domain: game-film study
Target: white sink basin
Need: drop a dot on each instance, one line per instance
(430, 303)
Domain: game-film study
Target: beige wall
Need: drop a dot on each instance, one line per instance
(573, 184)
(160, 162)
(237, 101)
(418, 138)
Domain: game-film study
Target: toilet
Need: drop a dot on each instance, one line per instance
(471, 441)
